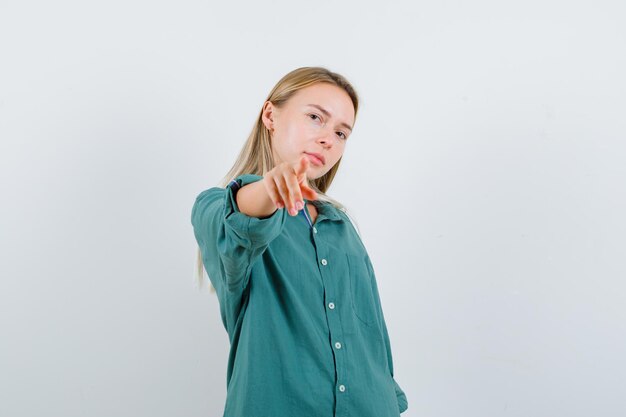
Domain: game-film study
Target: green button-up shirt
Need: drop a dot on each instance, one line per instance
(300, 303)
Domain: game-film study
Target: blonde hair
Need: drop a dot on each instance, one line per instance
(256, 155)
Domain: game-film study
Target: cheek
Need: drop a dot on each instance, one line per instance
(339, 150)
(290, 143)
(297, 137)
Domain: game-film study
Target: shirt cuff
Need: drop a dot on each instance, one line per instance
(253, 231)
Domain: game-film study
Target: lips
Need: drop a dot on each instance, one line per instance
(316, 158)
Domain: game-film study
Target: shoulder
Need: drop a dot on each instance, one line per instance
(236, 183)
(243, 179)
(348, 218)
(208, 195)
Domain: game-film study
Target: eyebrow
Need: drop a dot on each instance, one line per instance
(327, 114)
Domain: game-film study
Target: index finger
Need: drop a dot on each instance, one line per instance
(302, 165)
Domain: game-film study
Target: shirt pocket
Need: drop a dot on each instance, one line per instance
(361, 295)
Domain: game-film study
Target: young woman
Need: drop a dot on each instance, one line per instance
(296, 287)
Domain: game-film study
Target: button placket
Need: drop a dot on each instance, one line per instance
(334, 319)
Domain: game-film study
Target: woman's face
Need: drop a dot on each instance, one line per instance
(316, 120)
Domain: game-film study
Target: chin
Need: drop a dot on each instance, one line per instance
(314, 173)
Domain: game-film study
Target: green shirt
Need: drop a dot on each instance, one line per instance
(301, 307)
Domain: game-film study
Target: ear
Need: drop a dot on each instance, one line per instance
(267, 115)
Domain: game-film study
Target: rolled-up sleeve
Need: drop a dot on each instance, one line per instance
(231, 241)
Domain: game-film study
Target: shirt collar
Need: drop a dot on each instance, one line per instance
(325, 209)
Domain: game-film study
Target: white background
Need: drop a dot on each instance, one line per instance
(486, 171)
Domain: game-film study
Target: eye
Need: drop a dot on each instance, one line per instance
(315, 115)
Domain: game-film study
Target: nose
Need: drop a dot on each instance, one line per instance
(328, 137)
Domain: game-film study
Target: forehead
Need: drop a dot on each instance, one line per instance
(332, 98)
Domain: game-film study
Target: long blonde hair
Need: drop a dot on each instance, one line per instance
(256, 155)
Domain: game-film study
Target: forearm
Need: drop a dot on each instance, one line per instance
(254, 201)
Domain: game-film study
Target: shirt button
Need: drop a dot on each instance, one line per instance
(324, 262)
(338, 345)
(342, 388)
(331, 305)
(314, 230)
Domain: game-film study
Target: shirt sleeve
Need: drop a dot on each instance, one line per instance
(231, 241)
(403, 404)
